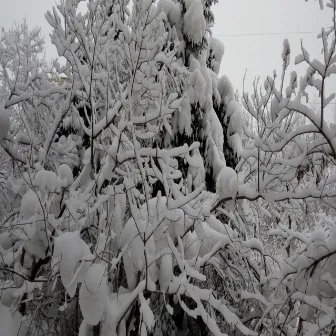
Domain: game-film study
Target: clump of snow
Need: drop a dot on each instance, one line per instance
(285, 53)
(275, 108)
(255, 244)
(147, 314)
(227, 185)
(29, 204)
(235, 123)
(166, 272)
(7, 297)
(11, 324)
(217, 48)
(147, 237)
(196, 168)
(194, 63)
(184, 122)
(225, 90)
(5, 240)
(172, 10)
(208, 83)
(235, 143)
(4, 122)
(134, 256)
(188, 3)
(87, 157)
(318, 235)
(234, 112)
(232, 108)
(69, 254)
(116, 217)
(215, 92)
(215, 128)
(84, 329)
(292, 84)
(218, 158)
(197, 88)
(109, 163)
(93, 294)
(37, 245)
(194, 22)
(46, 181)
(65, 175)
(28, 288)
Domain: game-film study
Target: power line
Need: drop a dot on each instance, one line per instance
(320, 103)
(274, 33)
(313, 103)
(263, 34)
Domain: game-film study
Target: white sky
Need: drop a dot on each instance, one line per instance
(258, 54)
(261, 54)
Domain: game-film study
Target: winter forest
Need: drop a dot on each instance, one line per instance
(141, 194)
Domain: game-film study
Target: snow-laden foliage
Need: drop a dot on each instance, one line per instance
(203, 115)
(20, 60)
(103, 212)
(288, 160)
(130, 214)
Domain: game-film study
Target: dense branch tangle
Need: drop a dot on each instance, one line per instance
(113, 224)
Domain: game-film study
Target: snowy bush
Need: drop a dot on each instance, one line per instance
(144, 205)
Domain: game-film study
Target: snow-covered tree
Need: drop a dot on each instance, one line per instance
(129, 218)
(21, 59)
(204, 111)
(86, 210)
(289, 160)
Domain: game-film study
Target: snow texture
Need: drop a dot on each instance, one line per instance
(30, 204)
(4, 122)
(70, 256)
(93, 294)
(225, 90)
(217, 48)
(194, 22)
(227, 185)
(65, 175)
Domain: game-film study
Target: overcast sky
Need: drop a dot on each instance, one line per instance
(259, 54)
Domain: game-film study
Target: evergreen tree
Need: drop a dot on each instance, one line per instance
(204, 112)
